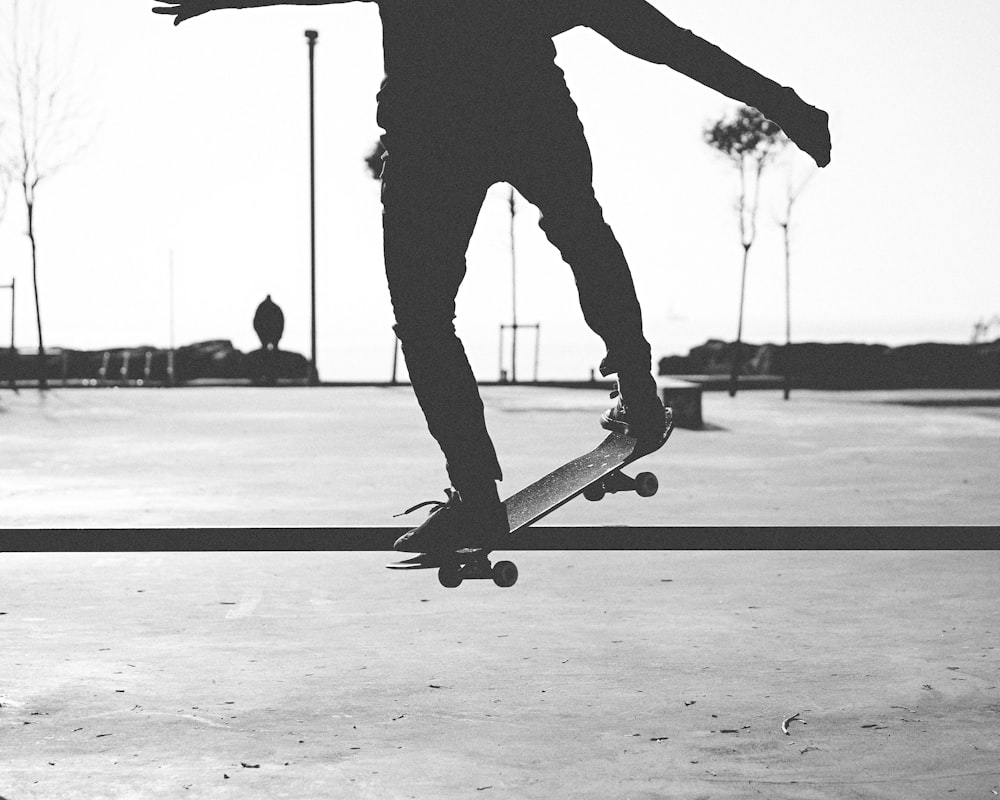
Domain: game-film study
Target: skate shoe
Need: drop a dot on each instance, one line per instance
(637, 412)
(807, 126)
(454, 525)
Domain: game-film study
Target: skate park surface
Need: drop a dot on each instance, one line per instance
(609, 674)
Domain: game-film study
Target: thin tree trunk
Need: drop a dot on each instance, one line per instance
(733, 377)
(42, 380)
(788, 306)
(786, 225)
(748, 232)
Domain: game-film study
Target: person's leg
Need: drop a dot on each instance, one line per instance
(552, 167)
(431, 201)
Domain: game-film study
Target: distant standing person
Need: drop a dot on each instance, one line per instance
(269, 323)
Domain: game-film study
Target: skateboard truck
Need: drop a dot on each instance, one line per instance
(645, 484)
(476, 566)
(469, 564)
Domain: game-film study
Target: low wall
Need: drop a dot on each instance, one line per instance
(813, 365)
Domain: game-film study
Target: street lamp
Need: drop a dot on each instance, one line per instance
(311, 37)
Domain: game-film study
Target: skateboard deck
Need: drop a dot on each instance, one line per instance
(594, 474)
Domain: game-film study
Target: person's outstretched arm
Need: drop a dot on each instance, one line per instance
(186, 9)
(640, 30)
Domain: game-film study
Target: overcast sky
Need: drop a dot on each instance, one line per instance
(200, 150)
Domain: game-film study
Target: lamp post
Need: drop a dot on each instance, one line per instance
(311, 37)
(173, 344)
(513, 292)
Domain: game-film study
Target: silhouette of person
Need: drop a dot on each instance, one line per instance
(473, 96)
(269, 324)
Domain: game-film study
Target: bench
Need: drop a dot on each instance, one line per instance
(684, 397)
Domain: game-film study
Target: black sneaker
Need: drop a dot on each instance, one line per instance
(640, 416)
(454, 525)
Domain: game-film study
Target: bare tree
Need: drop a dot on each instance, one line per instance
(5, 176)
(750, 142)
(792, 191)
(6, 173)
(47, 120)
(4, 195)
(981, 329)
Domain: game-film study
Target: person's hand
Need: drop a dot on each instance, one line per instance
(186, 9)
(811, 133)
(807, 126)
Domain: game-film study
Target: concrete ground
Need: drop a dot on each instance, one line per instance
(603, 675)
(259, 457)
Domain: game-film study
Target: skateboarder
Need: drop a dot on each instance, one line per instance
(473, 96)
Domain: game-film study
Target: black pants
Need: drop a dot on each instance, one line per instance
(433, 186)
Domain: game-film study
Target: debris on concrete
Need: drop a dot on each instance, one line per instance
(784, 725)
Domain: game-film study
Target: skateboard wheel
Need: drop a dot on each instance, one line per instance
(646, 484)
(449, 578)
(594, 492)
(504, 573)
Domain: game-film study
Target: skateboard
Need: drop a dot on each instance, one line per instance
(594, 475)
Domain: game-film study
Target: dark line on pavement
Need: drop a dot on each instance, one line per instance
(543, 537)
